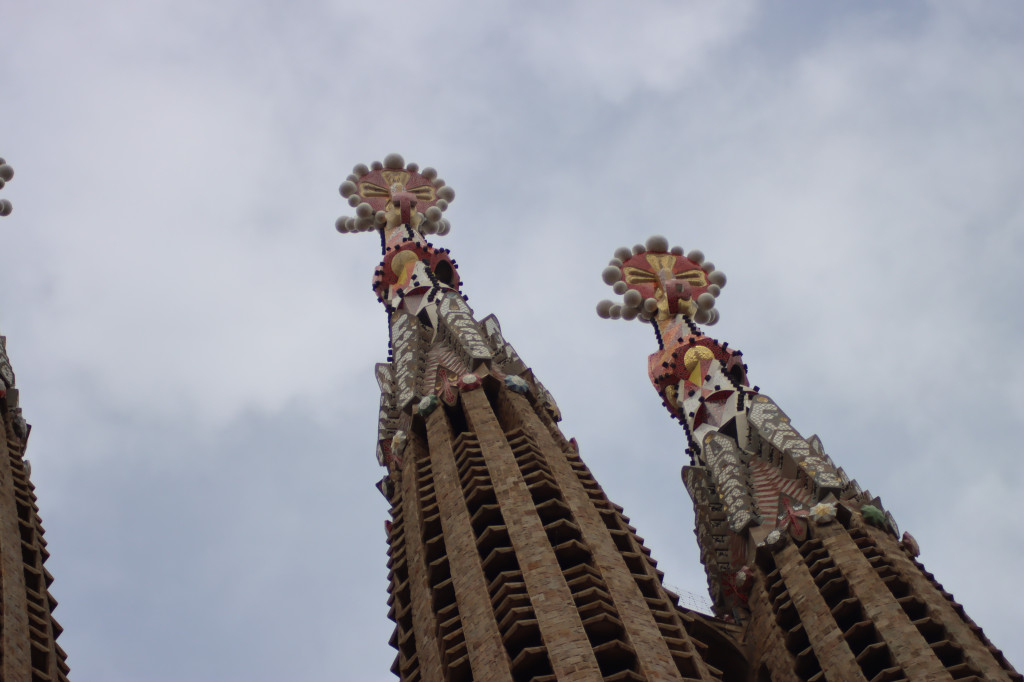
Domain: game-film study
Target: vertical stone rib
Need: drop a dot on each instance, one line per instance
(560, 625)
(651, 649)
(908, 648)
(14, 631)
(487, 656)
(826, 638)
(424, 620)
(47, 656)
(975, 651)
(764, 638)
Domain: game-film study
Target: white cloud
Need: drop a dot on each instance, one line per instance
(182, 315)
(615, 50)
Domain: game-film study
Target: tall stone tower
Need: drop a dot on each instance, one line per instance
(811, 566)
(507, 560)
(28, 632)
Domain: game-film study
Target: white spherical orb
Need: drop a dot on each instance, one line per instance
(657, 243)
(433, 214)
(638, 249)
(623, 253)
(611, 275)
(394, 162)
(633, 298)
(615, 312)
(676, 251)
(697, 256)
(604, 309)
(347, 189)
(446, 193)
(364, 210)
(714, 290)
(360, 170)
(620, 287)
(705, 301)
(629, 313)
(616, 262)
(650, 305)
(717, 277)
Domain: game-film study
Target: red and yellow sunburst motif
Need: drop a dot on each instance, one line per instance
(644, 272)
(378, 187)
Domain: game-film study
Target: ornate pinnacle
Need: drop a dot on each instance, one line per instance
(395, 194)
(6, 173)
(658, 283)
(403, 203)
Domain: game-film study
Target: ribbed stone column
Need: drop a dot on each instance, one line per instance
(487, 655)
(559, 622)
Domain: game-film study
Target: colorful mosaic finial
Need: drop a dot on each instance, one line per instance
(6, 173)
(403, 203)
(659, 283)
(393, 193)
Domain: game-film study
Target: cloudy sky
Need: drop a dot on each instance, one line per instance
(195, 343)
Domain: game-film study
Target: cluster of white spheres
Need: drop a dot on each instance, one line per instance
(365, 219)
(635, 305)
(6, 173)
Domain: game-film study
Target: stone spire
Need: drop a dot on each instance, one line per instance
(507, 560)
(811, 565)
(28, 631)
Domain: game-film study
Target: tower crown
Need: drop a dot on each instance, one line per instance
(403, 203)
(657, 283)
(392, 194)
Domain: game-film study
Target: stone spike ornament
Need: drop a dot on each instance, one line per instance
(507, 560)
(806, 561)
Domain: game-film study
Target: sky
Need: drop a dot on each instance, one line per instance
(194, 342)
